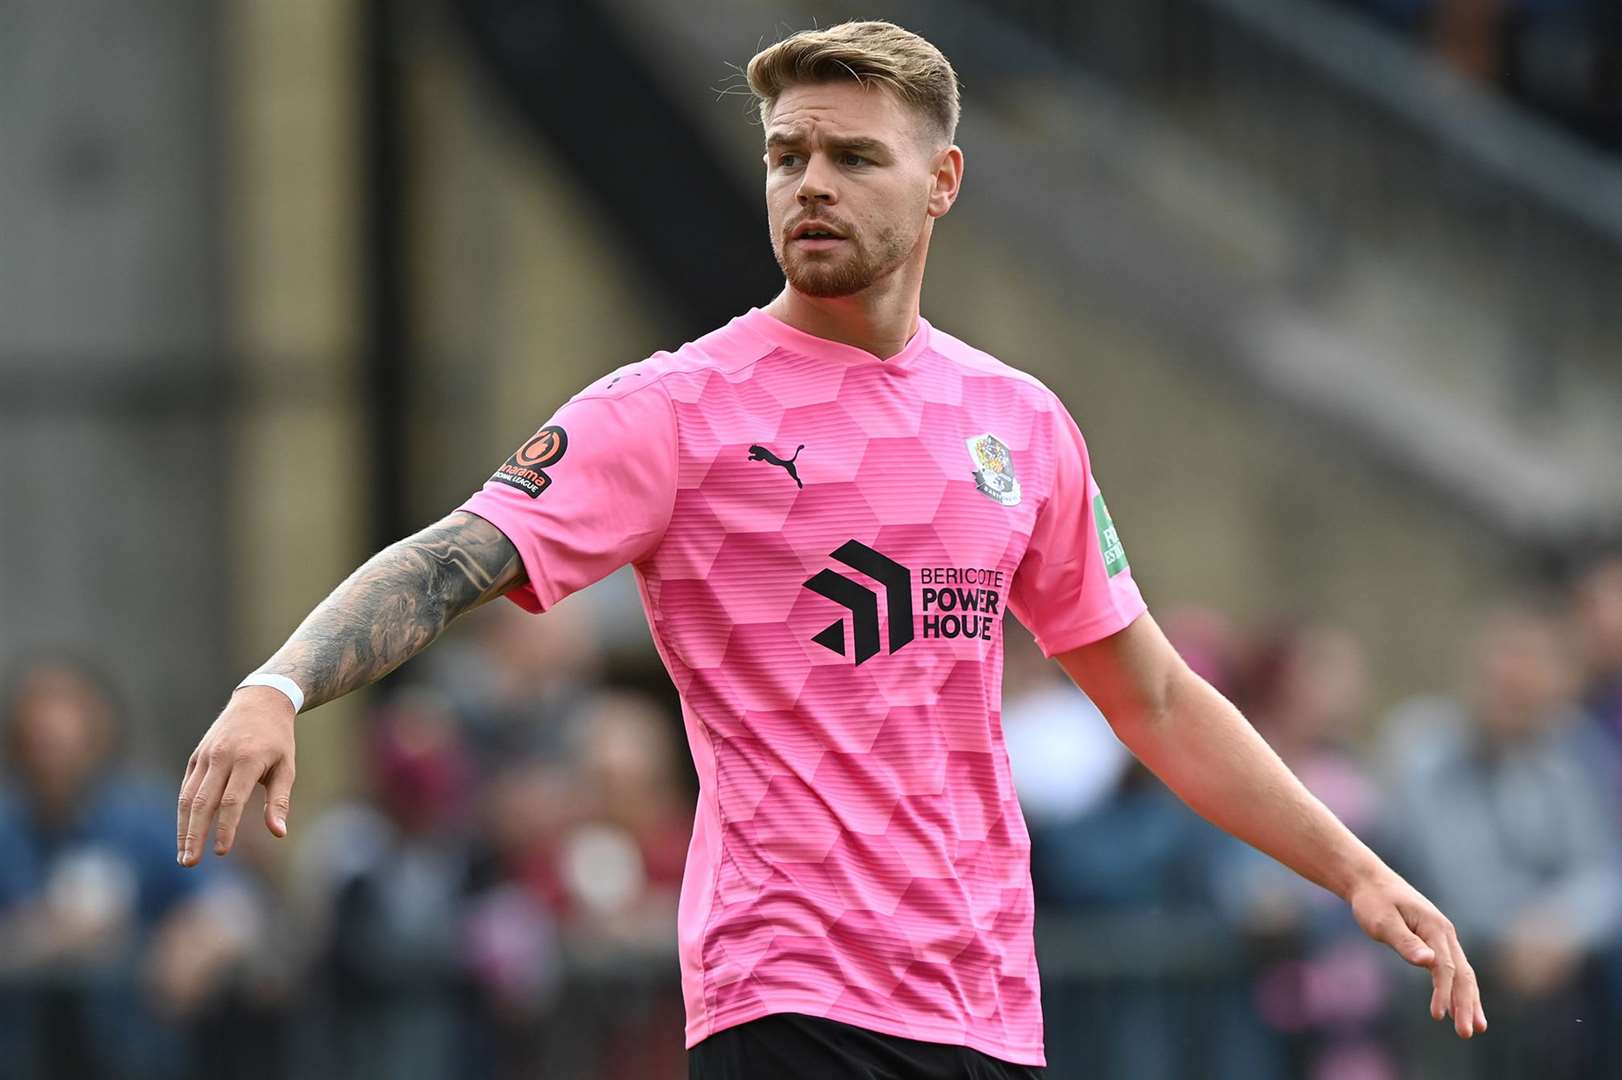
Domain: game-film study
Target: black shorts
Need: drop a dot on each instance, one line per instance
(789, 1046)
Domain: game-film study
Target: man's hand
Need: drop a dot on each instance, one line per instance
(1208, 754)
(383, 614)
(251, 743)
(1392, 911)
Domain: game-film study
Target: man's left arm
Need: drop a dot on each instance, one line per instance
(1202, 748)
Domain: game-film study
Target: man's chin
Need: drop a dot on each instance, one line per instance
(826, 283)
(825, 290)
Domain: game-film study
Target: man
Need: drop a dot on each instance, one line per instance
(829, 503)
(1598, 594)
(1529, 858)
(107, 949)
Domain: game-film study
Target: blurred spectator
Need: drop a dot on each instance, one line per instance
(1131, 868)
(1599, 638)
(1597, 596)
(393, 877)
(1469, 36)
(1132, 880)
(587, 845)
(1562, 57)
(513, 678)
(623, 863)
(1509, 822)
(1208, 643)
(515, 956)
(246, 1026)
(1130, 844)
(106, 945)
(1321, 982)
(1065, 758)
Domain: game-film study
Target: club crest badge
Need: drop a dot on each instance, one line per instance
(993, 469)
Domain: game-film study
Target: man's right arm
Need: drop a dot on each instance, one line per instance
(395, 605)
(386, 612)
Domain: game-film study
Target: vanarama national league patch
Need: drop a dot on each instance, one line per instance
(526, 469)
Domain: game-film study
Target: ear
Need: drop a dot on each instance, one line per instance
(948, 179)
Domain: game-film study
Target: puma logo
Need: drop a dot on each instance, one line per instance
(760, 453)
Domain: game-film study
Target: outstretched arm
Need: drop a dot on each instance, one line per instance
(386, 612)
(1204, 750)
(395, 605)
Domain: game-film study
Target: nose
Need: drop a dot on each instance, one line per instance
(816, 183)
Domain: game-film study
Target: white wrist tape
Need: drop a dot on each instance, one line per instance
(277, 682)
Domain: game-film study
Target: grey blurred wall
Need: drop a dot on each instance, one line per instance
(111, 428)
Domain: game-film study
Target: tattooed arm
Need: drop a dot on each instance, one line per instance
(395, 605)
(389, 610)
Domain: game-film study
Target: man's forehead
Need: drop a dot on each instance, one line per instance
(837, 110)
(808, 131)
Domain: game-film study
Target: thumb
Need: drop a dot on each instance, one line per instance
(279, 797)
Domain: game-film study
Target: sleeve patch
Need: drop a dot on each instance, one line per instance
(526, 469)
(1109, 541)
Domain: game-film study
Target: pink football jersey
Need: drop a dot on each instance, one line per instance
(825, 544)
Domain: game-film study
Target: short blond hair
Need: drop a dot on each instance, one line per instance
(867, 52)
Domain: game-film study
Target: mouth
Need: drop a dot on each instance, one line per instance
(815, 234)
(817, 243)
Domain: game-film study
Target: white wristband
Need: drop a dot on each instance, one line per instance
(277, 682)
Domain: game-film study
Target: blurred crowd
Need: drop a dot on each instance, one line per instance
(497, 899)
(498, 896)
(1502, 800)
(1562, 57)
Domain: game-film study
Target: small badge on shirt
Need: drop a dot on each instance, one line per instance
(525, 470)
(1109, 541)
(993, 468)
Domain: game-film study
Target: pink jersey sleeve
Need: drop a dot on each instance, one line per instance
(588, 493)
(1074, 585)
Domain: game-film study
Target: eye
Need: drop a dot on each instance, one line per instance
(852, 159)
(788, 161)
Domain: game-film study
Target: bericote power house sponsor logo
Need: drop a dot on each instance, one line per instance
(956, 601)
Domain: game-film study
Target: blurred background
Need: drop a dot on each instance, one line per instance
(1332, 287)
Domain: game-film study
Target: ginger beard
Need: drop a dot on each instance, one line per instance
(848, 268)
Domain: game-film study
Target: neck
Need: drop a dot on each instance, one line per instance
(880, 319)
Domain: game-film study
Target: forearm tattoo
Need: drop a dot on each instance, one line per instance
(395, 605)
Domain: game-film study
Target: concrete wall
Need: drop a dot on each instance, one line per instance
(112, 539)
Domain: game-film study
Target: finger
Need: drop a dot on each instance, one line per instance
(1466, 994)
(235, 796)
(1481, 1016)
(188, 789)
(279, 797)
(1442, 972)
(203, 804)
(1407, 944)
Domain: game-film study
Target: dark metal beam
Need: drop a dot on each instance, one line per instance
(387, 360)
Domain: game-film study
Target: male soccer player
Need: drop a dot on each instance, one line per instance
(829, 504)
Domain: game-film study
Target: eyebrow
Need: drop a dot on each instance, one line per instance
(857, 144)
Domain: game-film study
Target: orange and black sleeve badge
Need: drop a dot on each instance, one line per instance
(526, 469)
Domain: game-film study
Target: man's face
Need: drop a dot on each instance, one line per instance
(1525, 670)
(1599, 617)
(60, 735)
(857, 161)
